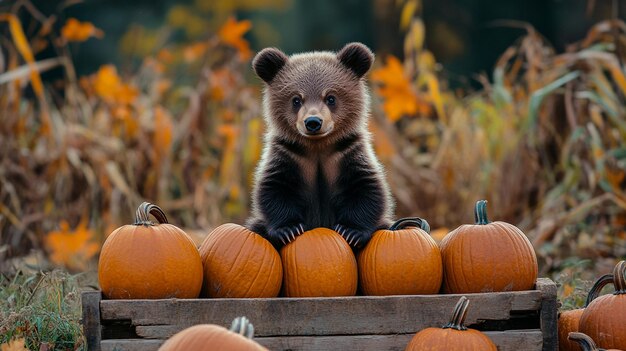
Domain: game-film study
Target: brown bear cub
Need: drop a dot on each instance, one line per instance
(318, 167)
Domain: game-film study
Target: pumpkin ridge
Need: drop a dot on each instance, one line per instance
(374, 258)
(518, 269)
(267, 280)
(465, 241)
(256, 276)
(274, 262)
(293, 260)
(241, 247)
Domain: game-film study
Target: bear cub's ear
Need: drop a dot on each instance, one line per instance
(357, 57)
(268, 62)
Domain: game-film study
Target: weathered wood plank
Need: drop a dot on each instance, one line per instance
(506, 341)
(548, 315)
(130, 345)
(321, 316)
(91, 318)
(513, 340)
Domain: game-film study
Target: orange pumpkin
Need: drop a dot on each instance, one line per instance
(208, 337)
(585, 343)
(604, 320)
(319, 263)
(569, 320)
(403, 260)
(487, 257)
(239, 263)
(149, 261)
(452, 336)
(568, 323)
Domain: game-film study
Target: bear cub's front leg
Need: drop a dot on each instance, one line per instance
(279, 206)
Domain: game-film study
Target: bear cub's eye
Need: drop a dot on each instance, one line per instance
(330, 100)
(297, 102)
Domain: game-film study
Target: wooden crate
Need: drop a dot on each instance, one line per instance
(523, 320)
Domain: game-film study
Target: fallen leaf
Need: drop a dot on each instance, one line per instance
(14, 345)
(72, 249)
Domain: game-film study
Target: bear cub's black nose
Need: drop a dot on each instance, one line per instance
(313, 124)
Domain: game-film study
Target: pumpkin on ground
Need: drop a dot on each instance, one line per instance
(319, 263)
(209, 337)
(453, 336)
(584, 342)
(403, 260)
(604, 320)
(149, 261)
(487, 257)
(569, 320)
(239, 263)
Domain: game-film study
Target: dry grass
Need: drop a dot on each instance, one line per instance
(41, 309)
(543, 141)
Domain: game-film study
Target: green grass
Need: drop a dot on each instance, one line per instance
(43, 308)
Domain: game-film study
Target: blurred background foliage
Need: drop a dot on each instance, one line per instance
(105, 104)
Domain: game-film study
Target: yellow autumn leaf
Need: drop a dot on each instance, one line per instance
(107, 82)
(75, 30)
(435, 96)
(408, 10)
(14, 345)
(396, 91)
(195, 51)
(414, 40)
(109, 86)
(21, 43)
(72, 249)
(231, 33)
(23, 47)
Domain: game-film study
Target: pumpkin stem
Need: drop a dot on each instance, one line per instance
(619, 278)
(459, 314)
(585, 342)
(480, 212)
(145, 210)
(242, 326)
(594, 292)
(411, 222)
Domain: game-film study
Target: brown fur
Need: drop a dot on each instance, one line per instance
(317, 159)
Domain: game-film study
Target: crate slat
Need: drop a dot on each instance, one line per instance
(91, 318)
(512, 340)
(548, 314)
(130, 345)
(315, 324)
(319, 316)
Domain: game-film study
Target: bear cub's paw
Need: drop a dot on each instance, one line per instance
(284, 235)
(355, 237)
